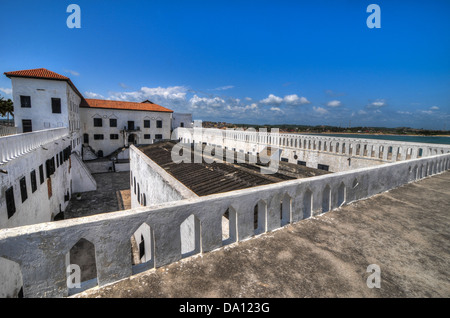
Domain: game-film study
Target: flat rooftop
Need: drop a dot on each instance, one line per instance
(210, 178)
(405, 231)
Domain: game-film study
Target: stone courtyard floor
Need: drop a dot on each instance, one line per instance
(405, 231)
(112, 194)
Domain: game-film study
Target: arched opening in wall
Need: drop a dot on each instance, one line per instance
(132, 139)
(142, 249)
(286, 210)
(355, 183)
(259, 217)
(144, 200)
(11, 279)
(342, 193)
(365, 151)
(100, 153)
(307, 204)
(420, 153)
(320, 145)
(295, 144)
(138, 193)
(337, 147)
(229, 226)
(381, 152)
(135, 185)
(326, 199)
(399, 154)
(309, 144)
(426, 170)
(358, 150)
(419, 172)
(314, 144)
(190, 231)
(372, 152)
(350, 149)
(324, 146)
(408, 153)
(82, 254)
(343, 148)
(414, 173)
(389, 156)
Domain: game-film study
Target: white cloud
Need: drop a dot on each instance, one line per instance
(223, 88)
(155, 94)
(377, 104)
(362, 112)
(248, 98)
(434, 108)
(276, 109)
(272, 100)
(294, 99)
(74, 73)
(428, 112)
(93, 95)
(320, 110)
(401, 112)
(334, 103)
(7, 91)
(206, 102)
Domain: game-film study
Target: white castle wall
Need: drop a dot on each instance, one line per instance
(41, 249)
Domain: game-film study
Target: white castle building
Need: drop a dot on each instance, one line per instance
(42, 166)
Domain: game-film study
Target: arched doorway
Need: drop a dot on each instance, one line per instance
(132, 139)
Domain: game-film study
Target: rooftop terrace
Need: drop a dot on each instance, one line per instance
(405, 231)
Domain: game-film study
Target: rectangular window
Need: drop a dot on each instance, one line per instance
(10, 204)
(301, 163)
(56, 105)
(112, 122)
(98, 137)
(50, 166)
(130, 125)
(159, 124)
(41, 174)
(323, 167)
(25, 101)
(23, 189)
(285, 159)
(27, 125)
(33, 181)
(57, 161)
(147, 136)
(61, 158)
(158, 136)
(181, 124)
(114, 136)
(146, 123)
(98, 122)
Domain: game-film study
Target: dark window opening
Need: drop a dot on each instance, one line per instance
(158, 136)
(98, 137)
(61, 158)
(301, 163)
(98, 122)
(159, 124)
(56, 105)
(27, 125)
(181, 124)
(146, 123)
(33, 181)
(323, 167)
(285, 159)
(23, 189)
(57, 161)
(113, 136)
(147, 136)
(10, 205)
(130, 125)
(86, 138)
(112, 122)
(50, 166)
(41, 174)
(25, 101)
(141, 247)
(100, 153)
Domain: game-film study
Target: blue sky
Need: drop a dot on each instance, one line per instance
(296, 62)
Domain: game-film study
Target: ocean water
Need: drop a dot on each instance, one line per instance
(426, 139)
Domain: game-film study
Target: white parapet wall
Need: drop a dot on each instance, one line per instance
(338, 153)
(41, 249)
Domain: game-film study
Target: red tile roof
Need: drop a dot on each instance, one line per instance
(114, 104)
(44, 74)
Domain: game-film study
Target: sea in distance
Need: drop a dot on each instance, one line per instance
(426, 139)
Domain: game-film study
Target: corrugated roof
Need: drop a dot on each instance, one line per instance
(114, 104)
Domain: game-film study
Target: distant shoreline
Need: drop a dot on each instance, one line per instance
(371, 134)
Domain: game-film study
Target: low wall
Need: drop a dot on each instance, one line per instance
(41, 249)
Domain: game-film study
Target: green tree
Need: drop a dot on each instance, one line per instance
(6, 107)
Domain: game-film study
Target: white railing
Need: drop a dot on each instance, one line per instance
(14, 146)
(7, 130)
(42, 249)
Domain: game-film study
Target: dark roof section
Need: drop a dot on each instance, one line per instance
(43, 73)
(210, 178)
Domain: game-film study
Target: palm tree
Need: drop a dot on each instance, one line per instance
(6, 107)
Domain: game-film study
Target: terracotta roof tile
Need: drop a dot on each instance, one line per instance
(113, 104)
(44, 74)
